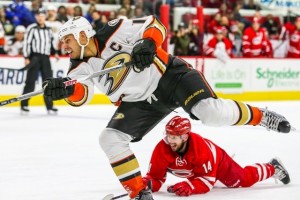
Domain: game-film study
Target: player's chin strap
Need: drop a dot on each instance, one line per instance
(82, 47)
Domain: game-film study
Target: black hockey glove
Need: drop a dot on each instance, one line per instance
(143, 54)
(54, 88)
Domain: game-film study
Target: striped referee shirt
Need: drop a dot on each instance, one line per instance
(37, 40)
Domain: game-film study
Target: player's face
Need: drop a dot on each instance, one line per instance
(71, 46)
(176, 142)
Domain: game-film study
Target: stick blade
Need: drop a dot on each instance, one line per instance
(108, 197)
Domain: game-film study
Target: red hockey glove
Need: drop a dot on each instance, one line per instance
(181, 189)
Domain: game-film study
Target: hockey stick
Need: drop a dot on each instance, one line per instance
(112, 197)
(67, 83)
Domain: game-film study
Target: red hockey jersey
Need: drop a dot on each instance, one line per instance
(212, 43)
(198, 164)
(294, 45)
(203, 164)
(255, 44)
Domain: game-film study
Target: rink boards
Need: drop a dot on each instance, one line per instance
(239, 79)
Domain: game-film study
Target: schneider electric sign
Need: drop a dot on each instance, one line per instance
(280, 78)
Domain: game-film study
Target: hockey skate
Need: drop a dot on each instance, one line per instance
(274, 121)
(144, 194)
(52, 111)
(280, 172)
(24, 110)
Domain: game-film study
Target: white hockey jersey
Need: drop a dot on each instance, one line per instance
(114, 44)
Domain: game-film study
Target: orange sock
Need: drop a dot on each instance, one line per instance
(129, 174)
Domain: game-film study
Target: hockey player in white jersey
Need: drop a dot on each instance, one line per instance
(157, 84)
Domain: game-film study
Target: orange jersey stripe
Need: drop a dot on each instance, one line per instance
(162, 55)
(156, 31)
(155, 35)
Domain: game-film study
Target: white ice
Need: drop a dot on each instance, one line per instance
(59, 158)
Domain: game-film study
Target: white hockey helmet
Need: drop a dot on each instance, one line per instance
(75, 26)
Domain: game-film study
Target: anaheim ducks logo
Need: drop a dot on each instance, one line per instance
(119, 116)
(116, 77)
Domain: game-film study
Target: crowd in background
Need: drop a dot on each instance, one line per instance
(230, 33)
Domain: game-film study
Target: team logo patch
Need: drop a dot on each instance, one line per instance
(114, 79)
(180, 162)
(119, 116)
(113, 22)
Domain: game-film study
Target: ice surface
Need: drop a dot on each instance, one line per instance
(59, 158)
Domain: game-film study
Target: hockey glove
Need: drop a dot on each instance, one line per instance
(181, 189)
(54, 88)
(143, 54)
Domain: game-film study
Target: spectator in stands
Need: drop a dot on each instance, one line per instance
(196, 39)
(238, 17)
(138, 12)
(112, 15)
(272, 26)
(90, 11)
(224, 10)
(181, 41)
(269, 44)
(254, 41)
(225, 22)
(2, 39)
(294, 41)
(70, 12)
(14, 45)
(214, 23)
(7, 25)
(219, 46)
(251, 5)
(78, 11)
(62, 14)
(19, 14)
(126, 4)
(146, 6)
(122, 14)
(97, 20)
(54, 24)
(236, 30)
(212, 3)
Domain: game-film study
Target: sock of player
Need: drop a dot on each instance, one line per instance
(248, 114)
(129, 174)
(256, 173)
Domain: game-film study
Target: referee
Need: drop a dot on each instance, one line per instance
(37, 47)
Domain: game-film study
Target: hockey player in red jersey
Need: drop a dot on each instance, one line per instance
(219, 46)
(294, 41)
(188, 155)
(147, 92)
(254, 42)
